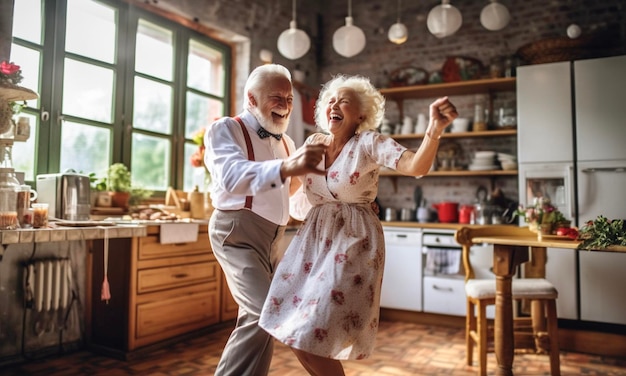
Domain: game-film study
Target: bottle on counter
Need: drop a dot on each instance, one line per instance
(196, 203)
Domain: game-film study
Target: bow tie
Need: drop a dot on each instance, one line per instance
(263, 133)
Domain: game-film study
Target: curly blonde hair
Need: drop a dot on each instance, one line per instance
(371, 101)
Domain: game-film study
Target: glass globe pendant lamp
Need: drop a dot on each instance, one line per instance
(495, 16)
(349, 40)
(398, 32)
(293, 43)
(444, 20)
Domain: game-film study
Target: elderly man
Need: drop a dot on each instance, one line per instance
(251, 162)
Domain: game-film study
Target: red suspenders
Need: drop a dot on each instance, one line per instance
(246, 135)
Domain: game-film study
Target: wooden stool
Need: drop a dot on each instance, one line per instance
(537, 333)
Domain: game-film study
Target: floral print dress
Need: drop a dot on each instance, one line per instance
(325, 295)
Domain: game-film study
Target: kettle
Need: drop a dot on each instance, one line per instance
(447, 212)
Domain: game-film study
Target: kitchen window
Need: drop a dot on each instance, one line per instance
(116, 84)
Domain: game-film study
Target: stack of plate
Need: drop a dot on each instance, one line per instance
(507, 161)
(484, 161)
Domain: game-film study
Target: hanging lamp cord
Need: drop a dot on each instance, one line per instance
(399, 7)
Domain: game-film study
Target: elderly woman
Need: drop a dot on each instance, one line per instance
(324, 299)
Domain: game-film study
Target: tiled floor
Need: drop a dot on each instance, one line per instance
(402, 349)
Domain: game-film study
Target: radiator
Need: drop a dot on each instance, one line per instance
(48, 291)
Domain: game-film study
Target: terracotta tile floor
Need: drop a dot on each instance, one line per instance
(402, 349)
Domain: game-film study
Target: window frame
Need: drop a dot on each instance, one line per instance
(48, 144)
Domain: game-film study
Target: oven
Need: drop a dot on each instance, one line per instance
(444, 274)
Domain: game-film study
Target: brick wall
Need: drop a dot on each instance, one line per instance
(532, 20)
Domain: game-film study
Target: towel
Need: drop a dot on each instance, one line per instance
(443, 261)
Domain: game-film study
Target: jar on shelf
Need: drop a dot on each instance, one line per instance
(495, 67)
(9, 185)
(480, 120)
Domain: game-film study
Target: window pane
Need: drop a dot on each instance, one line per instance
(150, 162)
(205, 69)
(192, 175)
(201, 111)
(24, 152)
(28, 60)
(85, 148)
(87, 98)
(153, 106)
(27, 22)
(154, 52)
(91, 30)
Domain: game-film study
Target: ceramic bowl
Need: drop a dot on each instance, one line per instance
(460, 125)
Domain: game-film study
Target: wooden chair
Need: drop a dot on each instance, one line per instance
(537, 333)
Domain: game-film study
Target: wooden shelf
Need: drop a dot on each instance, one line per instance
(494, 133)
(461, 173)
(471, 87)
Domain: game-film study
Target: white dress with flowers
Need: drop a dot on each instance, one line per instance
(325, 295)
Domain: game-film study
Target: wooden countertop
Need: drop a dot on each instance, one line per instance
(533, 241)
(61, 234)
(430, 225)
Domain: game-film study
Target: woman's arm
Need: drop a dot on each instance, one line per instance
(442, 112)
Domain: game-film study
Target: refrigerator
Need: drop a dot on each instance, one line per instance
(571, 134)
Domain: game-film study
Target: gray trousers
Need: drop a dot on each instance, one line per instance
(245, 245)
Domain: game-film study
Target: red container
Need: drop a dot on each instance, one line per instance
(465, 214)
(448, 212)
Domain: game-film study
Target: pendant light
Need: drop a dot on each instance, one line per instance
(398, 33)
(293, 43)
(444, 20)
(349, 40)
(495, 16)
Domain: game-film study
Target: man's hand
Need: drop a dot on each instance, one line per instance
(303, 161)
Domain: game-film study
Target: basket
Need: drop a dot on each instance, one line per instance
(551, 50)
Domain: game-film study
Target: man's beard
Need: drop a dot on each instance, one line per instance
(268, 122)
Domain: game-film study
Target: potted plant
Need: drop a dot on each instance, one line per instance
(118, 184)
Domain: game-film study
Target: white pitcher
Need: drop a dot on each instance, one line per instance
(407, 125)
(422, 124)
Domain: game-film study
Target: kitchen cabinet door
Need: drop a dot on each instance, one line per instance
(600, 88)
(561, 272)
(602, 287)
(402, 278)
(544, 108)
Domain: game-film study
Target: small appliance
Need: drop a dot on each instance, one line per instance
(67, 194)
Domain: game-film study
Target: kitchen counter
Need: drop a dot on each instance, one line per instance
(429, 225)
(62, 234)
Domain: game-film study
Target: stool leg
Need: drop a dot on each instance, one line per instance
(482, 338)
(553, 333)
(538, 320)
(470, 326)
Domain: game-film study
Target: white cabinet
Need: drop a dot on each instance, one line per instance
(561, 272)
(544, 102)
(602, 286)
(402, 278)
(444, 295)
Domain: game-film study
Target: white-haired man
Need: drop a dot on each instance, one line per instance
(251, 161)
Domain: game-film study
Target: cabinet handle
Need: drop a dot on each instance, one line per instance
(604, 169)
(450, 289)
(181, 275)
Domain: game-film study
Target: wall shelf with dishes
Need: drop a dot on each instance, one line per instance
(458, 173)
(488, 86)
(489, 133)
(470, 87)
